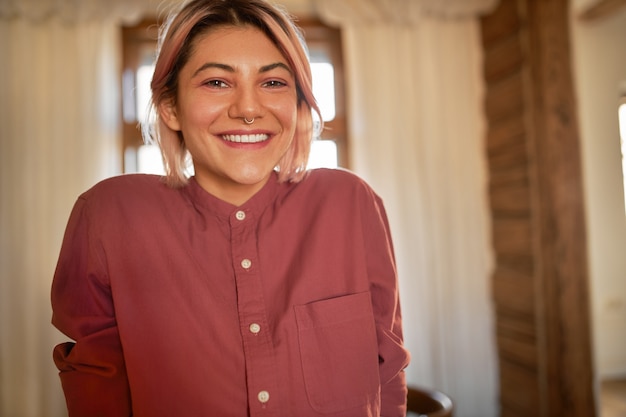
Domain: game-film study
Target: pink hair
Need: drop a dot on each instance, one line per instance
(175, 45)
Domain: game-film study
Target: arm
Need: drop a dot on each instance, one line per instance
(92, 370)
(393, 357)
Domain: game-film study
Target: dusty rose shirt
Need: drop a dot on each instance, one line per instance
(183, 305)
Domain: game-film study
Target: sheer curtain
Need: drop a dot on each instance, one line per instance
(416, 134)
(58, 135)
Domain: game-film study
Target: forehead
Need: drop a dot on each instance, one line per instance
(236, 43)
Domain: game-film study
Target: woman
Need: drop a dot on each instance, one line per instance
(253, 288)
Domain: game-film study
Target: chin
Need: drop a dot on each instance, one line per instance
(252, 178)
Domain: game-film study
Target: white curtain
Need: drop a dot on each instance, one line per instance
(72, 11)
(58, 135)
(416, 134)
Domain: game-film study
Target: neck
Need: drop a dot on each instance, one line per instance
(231, 192)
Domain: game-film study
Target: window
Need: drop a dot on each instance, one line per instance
(139, 51)
(324, 43)
(326, 56)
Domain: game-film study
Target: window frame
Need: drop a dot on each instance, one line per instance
(327, 39)
(137, 41)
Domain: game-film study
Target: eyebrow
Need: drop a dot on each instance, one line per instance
(228, 68)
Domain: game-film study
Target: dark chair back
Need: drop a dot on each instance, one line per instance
(428, 403)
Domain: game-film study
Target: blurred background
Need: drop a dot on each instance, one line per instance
(405, 91)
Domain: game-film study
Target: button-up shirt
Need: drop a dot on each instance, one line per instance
(180, 304)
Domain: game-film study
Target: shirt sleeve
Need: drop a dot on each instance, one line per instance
(393, 357)
(92, 369)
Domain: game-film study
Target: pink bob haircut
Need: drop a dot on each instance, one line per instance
(176, 40)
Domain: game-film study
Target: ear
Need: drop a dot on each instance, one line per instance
(169, 115)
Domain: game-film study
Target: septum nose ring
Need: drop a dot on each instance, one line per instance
(248, 122)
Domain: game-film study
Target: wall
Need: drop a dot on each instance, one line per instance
(600, 76)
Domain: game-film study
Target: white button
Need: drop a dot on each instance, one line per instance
(255, 328)
(263, 396)
(240, 215)
(246, 263)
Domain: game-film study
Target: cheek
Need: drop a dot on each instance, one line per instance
(289, 115)
(294, 119)
(285, 108)
(201, 114)
(290, 124)
(196, 113)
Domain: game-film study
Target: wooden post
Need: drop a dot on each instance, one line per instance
(540, 282)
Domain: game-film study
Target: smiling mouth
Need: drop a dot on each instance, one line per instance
(246, 138)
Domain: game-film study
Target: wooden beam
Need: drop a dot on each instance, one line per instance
(540, 282)
(601, 9)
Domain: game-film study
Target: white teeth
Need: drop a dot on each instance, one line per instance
(246, 138)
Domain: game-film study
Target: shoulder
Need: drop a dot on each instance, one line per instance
(335, 177)
(124, 185)
(130, 190)
(337, 181)
(336, 194)
(336, 188)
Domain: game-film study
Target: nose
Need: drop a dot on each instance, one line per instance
(246, 103)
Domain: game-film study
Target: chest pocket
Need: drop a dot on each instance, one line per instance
(339, 353)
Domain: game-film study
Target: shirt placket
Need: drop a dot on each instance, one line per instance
(253, 323)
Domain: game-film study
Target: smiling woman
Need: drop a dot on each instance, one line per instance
(179, 45)
(254, 287)
(139, 43)
(235, 75)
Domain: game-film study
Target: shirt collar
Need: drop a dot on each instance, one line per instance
(257, 203)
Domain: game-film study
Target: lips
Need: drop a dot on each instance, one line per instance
(246, 138)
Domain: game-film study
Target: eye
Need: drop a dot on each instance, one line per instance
(215, 84)
(274, 84)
